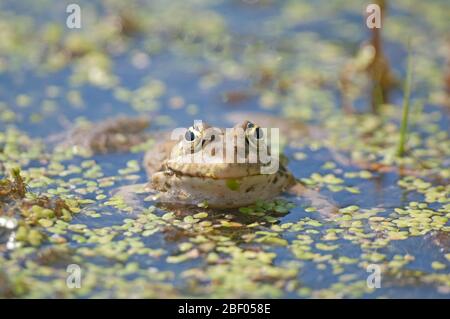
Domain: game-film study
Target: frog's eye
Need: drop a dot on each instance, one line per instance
(192, 139)
(254, 134)
(192, 135)
(189, 136)
(258, 133)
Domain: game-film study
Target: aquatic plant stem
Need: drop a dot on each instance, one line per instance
(406, 96)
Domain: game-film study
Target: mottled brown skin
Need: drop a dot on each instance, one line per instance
(110, 136)
(195, 183)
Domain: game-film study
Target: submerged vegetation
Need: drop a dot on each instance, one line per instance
(34, 212)
(324, 79)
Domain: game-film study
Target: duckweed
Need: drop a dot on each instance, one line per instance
(65, 204)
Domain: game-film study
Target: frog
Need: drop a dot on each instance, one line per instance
(217, 185)
(216, 182)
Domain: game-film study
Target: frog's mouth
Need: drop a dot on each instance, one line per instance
(214, 176)
(219, 192)
(218, 170)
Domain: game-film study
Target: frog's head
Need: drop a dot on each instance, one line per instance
(224, 167)
(206, 151)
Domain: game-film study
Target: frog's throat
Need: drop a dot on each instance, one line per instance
(218, 192)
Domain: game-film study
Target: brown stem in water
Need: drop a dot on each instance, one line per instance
(379, 70)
